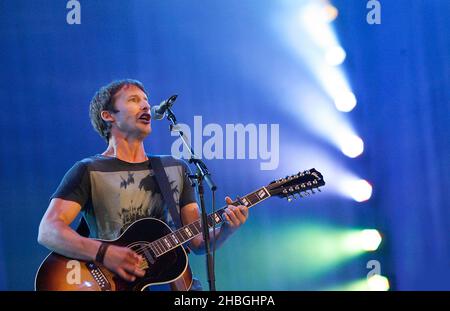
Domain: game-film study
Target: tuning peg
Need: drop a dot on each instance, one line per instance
(289, 199)
(319, 189)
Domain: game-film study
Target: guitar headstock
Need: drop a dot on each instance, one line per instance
(299, 183)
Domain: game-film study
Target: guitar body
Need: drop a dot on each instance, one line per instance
(169, 271)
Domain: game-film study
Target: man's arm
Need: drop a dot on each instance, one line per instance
(56, 234)
(235, 215)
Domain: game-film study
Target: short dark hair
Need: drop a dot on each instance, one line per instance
(104, 100)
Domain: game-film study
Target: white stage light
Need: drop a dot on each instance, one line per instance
(359, 190)
(335, 55)
(351, 145)
(345, 101)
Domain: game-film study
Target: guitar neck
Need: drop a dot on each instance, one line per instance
(188, 232)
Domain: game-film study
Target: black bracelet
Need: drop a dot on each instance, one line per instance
(101, 252)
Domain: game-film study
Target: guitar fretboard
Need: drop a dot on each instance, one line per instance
(188, 232)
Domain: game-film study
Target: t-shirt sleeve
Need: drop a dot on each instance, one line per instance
(188, 194)
(75, 185)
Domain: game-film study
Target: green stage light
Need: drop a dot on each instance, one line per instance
(378, 283)
(364, 240)
(287, 254)
(373, 283)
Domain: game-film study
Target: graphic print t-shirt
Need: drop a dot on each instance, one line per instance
(114, 193)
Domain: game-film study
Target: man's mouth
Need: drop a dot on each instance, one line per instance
(145, 117)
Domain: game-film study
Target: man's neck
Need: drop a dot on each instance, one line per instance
(126, 150)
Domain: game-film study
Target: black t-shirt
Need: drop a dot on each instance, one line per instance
(114, 193)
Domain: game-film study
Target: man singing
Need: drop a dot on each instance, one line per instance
(117, 187)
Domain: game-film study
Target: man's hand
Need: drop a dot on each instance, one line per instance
(235, 215)
(124, 262)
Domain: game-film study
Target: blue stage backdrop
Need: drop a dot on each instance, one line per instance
(231, 63)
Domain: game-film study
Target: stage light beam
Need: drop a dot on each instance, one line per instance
(345, 101)
(369, 239)
(373, 283)
(335, 55)
(359, 190)
(378, 283)
(330, 12)
(351, 145)
(360, 241)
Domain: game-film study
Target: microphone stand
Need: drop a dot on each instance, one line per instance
(201, 174)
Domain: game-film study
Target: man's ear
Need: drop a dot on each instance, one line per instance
(107, 116)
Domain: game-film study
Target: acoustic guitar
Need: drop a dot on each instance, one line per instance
(165, 260)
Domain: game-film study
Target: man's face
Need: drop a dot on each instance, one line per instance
(133, 116)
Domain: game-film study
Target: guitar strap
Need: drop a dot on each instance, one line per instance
(167, 193)
(166, 190)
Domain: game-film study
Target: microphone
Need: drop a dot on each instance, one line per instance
(159, 112)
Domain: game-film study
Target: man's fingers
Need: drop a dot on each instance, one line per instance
(228, 200)
(140, 272)
(227, 217)
(234, 220)
(133, 258)
(125, 275)
(235, 215)
(244, 211)
(240, 215)
(242, 208)
(134, 270)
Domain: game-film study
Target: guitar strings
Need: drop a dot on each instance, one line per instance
(142, 247)
(155, 248)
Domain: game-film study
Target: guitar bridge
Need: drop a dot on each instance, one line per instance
(98, 276)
